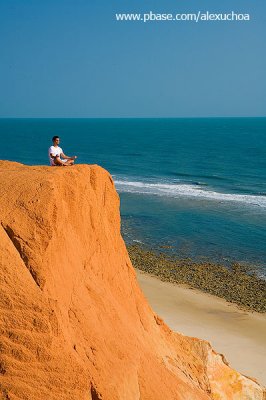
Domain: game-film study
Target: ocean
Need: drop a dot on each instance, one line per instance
(195, 187)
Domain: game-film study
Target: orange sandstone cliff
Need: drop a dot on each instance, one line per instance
(74, 322)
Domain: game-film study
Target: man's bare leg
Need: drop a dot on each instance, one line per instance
(69, 162)
(59, 163)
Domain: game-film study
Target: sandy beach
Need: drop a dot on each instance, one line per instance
(239, 335)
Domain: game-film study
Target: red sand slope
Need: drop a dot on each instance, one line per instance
(74, 322)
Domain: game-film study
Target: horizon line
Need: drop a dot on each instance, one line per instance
(191, 117)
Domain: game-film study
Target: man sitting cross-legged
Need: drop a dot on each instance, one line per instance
(55, 153)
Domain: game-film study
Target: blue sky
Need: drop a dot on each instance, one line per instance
(61, 58)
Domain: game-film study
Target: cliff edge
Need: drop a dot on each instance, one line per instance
(74, 322)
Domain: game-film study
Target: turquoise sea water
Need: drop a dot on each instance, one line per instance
(197, 185)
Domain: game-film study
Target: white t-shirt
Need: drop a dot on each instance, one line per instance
(55, 151)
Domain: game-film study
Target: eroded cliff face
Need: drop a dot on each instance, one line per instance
(74, 322)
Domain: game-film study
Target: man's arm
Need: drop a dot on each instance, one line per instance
(67, 157)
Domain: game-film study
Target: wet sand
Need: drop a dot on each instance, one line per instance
(238, 334)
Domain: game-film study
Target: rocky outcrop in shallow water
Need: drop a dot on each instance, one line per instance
(237, 284)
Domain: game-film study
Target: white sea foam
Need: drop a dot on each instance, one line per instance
(186, 190)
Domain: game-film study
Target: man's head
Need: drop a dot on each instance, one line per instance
(56, 140)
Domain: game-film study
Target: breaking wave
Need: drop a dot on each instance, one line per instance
(193, 190)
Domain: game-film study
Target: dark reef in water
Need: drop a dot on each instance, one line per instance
(238, 284)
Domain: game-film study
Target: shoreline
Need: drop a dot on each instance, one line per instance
(237, 284)
(238, 334)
